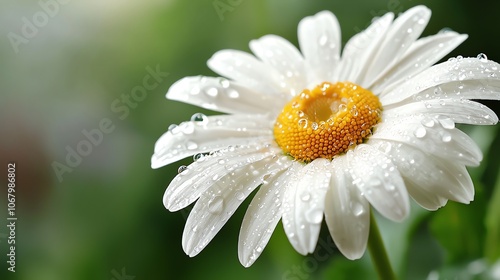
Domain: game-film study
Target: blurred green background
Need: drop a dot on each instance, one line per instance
(104, 218)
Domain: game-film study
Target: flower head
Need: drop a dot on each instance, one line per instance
(325, 135)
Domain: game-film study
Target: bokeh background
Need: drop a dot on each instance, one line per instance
(103, 218)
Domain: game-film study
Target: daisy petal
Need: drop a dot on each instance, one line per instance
(347, 212)
(222, 95)
(422, 54)
(436, 136)
(380, 182)
(262, 216)
(403, 32)
(463, 69)
(304, 203)
(190, 138)
(470, 89)
(361, 47)
(460, 111)
(247, 70)
(319, 39)
(188, 185)
(438, 180)
(219, 202)
(285, 58)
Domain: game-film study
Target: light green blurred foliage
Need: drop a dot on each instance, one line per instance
(107, 214)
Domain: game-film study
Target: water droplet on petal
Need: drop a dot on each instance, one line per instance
(357, 209)
(446, 122)
(314, 216)
(428, 122)
(239, 195)
(190, 145)
(199, 117)
(323, 40)
(306, 196)
(215, 205)
(482, 57)
(224, 83)
(303, 123)
(445, 136)
(314, 126)
(420, 132)
(212, 92)
(182, 169)
(187, 127)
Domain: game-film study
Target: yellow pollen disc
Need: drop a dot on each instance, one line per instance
(326, 121)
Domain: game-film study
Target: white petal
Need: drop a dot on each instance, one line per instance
(220, 94)
(347, 212)
(304, 203)
(219, 202)
(262, 216)
(454, 70)
(460, 111)
(421, 55)
(190, 138)
(362, 46)
(401, 35)
(434, 135)
(246, 69)
(188, 185)
(470, 89)
(319, 39)
(430, 180)
(285, 58)
(380, 182)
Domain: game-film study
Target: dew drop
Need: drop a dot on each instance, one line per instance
(239, 195)
(314, 216)
(198, 157)
(323, 40)
(482, 57)
(420, 132)
(314, 126)
(213, 92)
(446, 122)
(187, 127)
(232, 93)
(190, 145)
(182, 169)
(342, 107)
(303, 123)
(306, 196)
(199, 117)
(445, 136)
(354, 111)
(224, 83)
(215, 205)
(357, 209)
(428, 122)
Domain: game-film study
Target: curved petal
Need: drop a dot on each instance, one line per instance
(460, 111)
(247, 70)
(347, 212)
(379, 181)
(217, 132)
(219, 202)
(220, 94)
(362, 46)
(453, 70)
(434, 135)
(401, 35)
(319, 40)
(420, 56)
(431, 181)
(460, 90)
(304, 203)
(188, 185)
(262, 216)
(285, 58)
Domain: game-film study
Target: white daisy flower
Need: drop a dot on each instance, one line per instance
(325, 135)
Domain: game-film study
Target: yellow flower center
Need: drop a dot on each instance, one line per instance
(326, 121)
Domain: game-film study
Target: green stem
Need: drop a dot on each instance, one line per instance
(378, 253)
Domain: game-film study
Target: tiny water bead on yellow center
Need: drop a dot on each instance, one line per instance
(326, 121)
